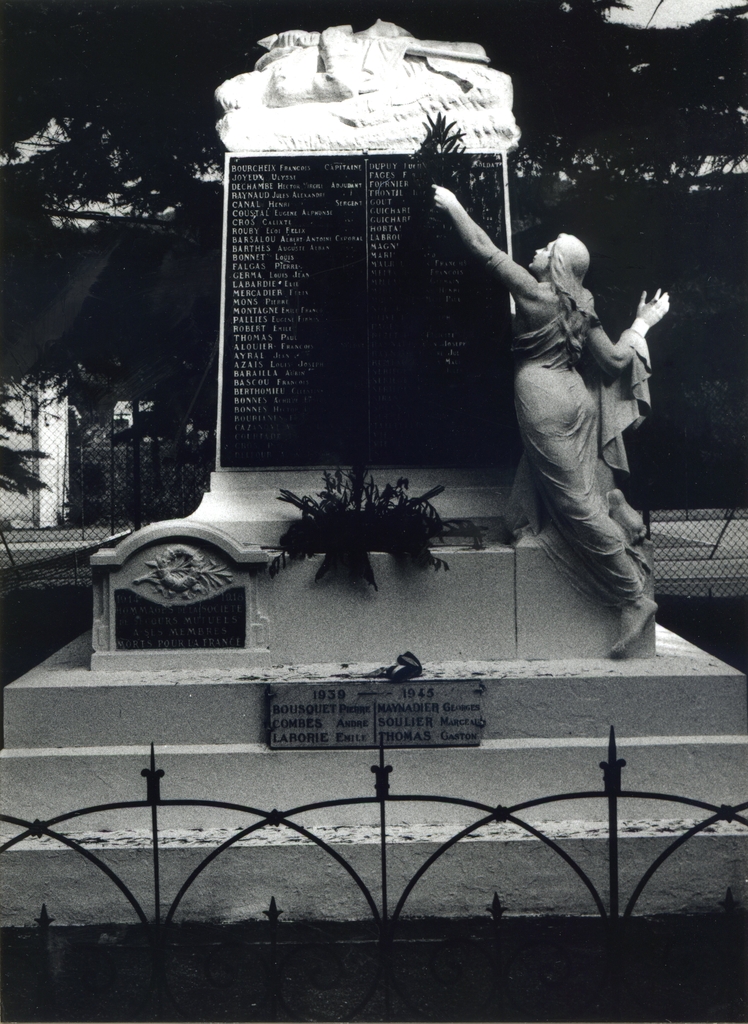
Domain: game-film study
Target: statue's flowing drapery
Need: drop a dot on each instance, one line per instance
(571, 422)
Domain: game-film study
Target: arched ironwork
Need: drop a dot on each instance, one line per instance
(383, 980)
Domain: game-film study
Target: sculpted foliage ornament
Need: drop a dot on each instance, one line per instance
(186, 573)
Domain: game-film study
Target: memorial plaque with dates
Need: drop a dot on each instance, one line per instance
(360, 714)
(143, 625)
(356, 328)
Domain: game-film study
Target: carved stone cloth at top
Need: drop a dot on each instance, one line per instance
(342, 90)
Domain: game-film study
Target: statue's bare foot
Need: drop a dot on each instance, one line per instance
(635, 617)
(627, 517)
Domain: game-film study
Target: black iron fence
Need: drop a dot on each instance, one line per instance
(601, 967)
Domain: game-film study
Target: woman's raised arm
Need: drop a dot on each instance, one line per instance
(519, 281)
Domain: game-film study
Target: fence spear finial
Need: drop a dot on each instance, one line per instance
(729, 902)
(612, 767)
(153, 776)
(612, 752)
(44, 920)
(496, 910)
(272, 913)
(381, 772)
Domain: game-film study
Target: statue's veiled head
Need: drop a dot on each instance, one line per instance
(562, 259)
(569, 256)
(563, 264)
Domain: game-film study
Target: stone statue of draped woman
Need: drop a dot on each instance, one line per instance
(575, 392)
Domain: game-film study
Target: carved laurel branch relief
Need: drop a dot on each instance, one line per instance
(186, 573)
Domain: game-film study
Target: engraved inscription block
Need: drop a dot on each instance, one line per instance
(355, 327)
(294, 363)
(143, 625)
(316, 716)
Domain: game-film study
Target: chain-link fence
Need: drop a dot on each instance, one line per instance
(700, 552)
(103, 476)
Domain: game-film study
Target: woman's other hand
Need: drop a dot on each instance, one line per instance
(653, 311)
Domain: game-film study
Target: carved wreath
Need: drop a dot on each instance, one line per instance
(186, 573)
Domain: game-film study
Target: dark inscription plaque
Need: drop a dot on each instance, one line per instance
(356, 327)
(360, 714)
(142, 625)
(294, 367)
(440, 376)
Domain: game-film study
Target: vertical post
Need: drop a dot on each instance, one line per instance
(613, 855)
(686, 455)
(733, 952)
(153, 777)
(507, 217)
(35, 444)
(44, 973)
(81, 486)
(612, 782)
(137, 512)
(497, 912)
(272, 914)
(111, 475)
(382, 788)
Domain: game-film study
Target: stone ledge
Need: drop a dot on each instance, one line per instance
(674, 657)
(227, 749)
(309, 885)
(45, 782)
(683, 692)
(345, 835)
(173, 530)
(500, 602)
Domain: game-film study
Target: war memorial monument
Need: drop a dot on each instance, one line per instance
(366, 327)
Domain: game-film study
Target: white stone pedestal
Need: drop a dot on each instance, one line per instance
(503, 602)
(79, 738)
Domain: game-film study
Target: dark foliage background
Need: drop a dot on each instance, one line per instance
(631, 139)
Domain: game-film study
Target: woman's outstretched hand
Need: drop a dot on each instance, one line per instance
(653, 311)
(444, 199)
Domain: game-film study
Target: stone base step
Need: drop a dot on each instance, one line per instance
(42, 782)
(308, 884)
(682, 691)
(78, 738)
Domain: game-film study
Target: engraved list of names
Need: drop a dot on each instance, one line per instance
(316, 716)
(355, 329)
